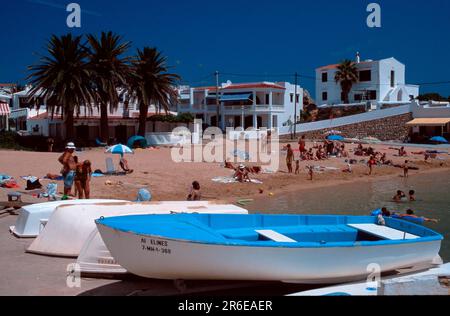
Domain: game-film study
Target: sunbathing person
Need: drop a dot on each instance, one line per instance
(384, 160)
(124, 165)
(242, 174)
(229, 165)
(195, 193)
(402, 152)
(410, 214)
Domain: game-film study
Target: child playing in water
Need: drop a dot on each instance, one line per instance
(412, 197)
(297, 167)
(399, 196)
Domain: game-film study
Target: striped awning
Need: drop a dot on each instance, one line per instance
(4, 109)
(429, 122)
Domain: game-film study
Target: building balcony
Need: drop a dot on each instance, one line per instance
(233, 108)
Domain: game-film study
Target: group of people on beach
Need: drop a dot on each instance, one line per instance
(75, 173)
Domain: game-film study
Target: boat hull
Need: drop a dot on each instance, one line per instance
(70, 226)
(162, 258)
(32, 218)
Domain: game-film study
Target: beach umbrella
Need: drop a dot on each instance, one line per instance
(119, 150)
(335, 138)
(439, 139)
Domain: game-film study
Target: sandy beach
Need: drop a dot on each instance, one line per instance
(168, 180)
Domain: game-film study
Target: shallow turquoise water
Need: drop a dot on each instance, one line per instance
(432, 193)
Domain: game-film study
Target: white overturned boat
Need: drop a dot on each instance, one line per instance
(70, 226)
(288, 248)
(32, 218)
(95, 257)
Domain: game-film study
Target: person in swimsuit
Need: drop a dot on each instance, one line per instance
(289, 158)
(82, 179)
(69, 166)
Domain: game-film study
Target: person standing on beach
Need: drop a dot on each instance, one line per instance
(302, 145)
(50, 143)
(372, 162)
(69, 167)
(82, 180)
(289, 158)
(406, 169)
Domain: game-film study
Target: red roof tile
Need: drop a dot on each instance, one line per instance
(260, 85)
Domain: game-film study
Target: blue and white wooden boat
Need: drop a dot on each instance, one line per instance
(288, 248)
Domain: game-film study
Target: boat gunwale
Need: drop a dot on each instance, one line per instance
(298, 245)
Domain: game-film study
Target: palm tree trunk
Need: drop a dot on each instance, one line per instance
(143, 110)
(70, 132)
(104, 127)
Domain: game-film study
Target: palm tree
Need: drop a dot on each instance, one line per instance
(108, 71)
(149, 83)
(346, 75)
(62, 78)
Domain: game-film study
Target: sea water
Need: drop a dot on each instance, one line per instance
(360, 198)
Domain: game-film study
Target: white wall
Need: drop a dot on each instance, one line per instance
(380, 82)
(364, 117)
(425, 111)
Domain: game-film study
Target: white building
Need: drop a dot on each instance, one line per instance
(257, 105)
(381, 82)
(30, 119)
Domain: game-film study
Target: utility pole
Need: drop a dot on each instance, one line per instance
(295, 107)
(217, 100)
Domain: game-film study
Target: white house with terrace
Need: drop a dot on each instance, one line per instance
(381, 84)
(246, 105)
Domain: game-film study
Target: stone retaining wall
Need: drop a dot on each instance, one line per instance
(386, 129)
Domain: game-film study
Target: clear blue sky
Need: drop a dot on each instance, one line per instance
(264, 37)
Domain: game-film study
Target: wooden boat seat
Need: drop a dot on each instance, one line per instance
(274, 236)
(383, 232)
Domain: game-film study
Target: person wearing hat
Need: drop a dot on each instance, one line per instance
(69, 166)
(241, 174)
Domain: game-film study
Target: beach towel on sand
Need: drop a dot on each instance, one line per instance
(227, 180)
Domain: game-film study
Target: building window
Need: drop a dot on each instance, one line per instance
(358, 97)
(372, 95)
(325, 96)
(365, 75)
(297, 98)
(392, 78)
(267, 99)
(292, 98)
(324, 76)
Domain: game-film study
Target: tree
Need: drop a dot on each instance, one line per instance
(149, 83)
(433, 96)
(62, 78)
(108, 72)
(346, 76)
